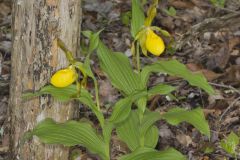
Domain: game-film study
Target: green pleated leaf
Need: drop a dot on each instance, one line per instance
(129, 131)
(151, 154)
(61, 94)
(71, 133)
(69, 93)
(122, 108)
(175, 68)
(118, 70)
(151, 137)
(138, 17)
(86, 99)
(148, 120)
(194, 117)
(161, 89)
(87, 33)
(94, 40)
(230, 143)
(135, 134)
(107, 132)
(141, 104)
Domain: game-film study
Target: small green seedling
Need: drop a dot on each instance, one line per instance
(171, 11)
(218, 3)
(126, 18)
(230, 144)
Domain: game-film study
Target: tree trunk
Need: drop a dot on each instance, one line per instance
(35, 57)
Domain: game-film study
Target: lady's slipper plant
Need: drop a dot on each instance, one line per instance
(133, 121)
(144, 33)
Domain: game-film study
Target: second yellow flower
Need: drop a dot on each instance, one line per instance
(154, 43)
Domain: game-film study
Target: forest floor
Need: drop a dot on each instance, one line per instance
(208, 41)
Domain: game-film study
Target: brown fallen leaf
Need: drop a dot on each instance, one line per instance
(200, 3)
(215, 112)
(217, 96)
(184, 139)
(233, 42)
(210, 75)
(219, 57)
(181, 4)
(232, 75)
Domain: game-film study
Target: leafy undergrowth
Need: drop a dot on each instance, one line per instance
(205, 47)
(209, 49)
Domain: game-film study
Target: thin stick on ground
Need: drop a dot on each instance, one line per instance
(225, 86)
(228, 108)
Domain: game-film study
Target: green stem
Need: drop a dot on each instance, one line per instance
(97, 95)
(78, 88)
(138, 58)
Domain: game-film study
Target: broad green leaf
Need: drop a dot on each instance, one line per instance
(151, 154)
(94, 40)
(148, 120)
(71, 133)
(119, 70)
(136, 134)
(151, 137)
(122, 108)
(175, 68)
(129, 131)
(87, 33)
(194, 117)
(161, 89)
(230, 143)
(138, 17)
(141, 104)
(107, 132)
(86, 99)
(61, 94)
(69, 93)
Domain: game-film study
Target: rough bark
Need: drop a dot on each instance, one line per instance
(35, 57)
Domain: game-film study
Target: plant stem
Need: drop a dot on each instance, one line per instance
(97, 95)
(138, 58)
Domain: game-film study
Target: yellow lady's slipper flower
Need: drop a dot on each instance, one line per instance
(154, 43)
(63, 78)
